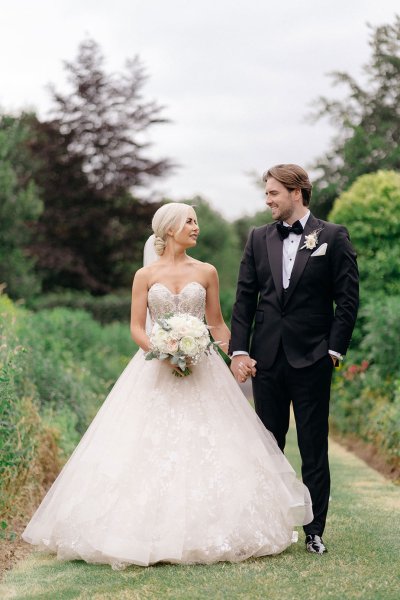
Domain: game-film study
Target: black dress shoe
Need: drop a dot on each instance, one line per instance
(315, 544)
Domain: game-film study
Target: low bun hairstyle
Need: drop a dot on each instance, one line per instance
(159, 245)
(169, 216)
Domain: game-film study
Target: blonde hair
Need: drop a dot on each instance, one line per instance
(170, 216)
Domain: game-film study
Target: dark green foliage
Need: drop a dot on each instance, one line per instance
(106, 309)
(20, 207)
(105, 118)
(86, 163)
(244, 225)
(380, 344)
(367, 121)
(366, 392)
(84, 239)
(218, 243)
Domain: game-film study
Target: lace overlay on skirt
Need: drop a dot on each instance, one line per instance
(175, 470)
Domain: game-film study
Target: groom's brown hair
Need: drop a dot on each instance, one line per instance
(292, 177)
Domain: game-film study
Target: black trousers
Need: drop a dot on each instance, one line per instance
(309, 391)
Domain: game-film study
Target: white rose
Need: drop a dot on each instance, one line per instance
(159, 338)
(188, 345)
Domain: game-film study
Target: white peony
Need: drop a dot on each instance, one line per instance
(188, 345)
(179, 325)
(159, 338)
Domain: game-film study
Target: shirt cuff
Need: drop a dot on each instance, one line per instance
(333, 353)
(239, 353)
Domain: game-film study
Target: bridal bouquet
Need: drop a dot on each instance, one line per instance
(181, 338)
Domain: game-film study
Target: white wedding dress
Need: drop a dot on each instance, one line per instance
(175, 470)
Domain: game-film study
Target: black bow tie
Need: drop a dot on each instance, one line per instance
(284, 231)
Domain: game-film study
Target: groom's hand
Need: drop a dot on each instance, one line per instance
(243, 366)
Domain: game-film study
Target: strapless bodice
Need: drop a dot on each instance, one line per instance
(191, 299)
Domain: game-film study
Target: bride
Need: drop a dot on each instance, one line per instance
(179, 470)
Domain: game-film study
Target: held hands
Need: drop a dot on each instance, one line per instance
(243, 366)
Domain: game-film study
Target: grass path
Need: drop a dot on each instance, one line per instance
(363, 537)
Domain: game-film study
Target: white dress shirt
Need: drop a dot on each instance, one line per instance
(290, 246)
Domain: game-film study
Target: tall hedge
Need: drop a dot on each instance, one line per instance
(370, 209)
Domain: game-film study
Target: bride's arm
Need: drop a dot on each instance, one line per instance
(215, 320)
(139, 310)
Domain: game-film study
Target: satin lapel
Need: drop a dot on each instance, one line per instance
(275, 256)
(302, 256)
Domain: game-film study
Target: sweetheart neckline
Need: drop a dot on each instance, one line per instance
(180, 292)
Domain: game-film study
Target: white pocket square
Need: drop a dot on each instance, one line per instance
(320, 251)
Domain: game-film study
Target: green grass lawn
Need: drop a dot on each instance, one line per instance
(362, 535)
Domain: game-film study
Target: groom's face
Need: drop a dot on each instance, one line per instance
(279, 200)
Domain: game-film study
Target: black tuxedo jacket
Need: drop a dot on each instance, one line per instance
(304, 318)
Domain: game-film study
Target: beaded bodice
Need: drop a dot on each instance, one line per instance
(191, 299)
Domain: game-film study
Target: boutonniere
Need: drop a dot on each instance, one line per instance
(311, 240)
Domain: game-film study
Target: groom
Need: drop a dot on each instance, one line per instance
(291, 275)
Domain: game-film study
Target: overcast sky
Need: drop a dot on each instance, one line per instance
(237, 77)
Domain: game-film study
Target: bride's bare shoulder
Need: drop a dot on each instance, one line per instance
(207, 270)
(143, 275)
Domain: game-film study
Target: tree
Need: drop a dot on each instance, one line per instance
(20, 206)
(218, 245)
(83, 240)
(88, 160)
(371, 211)
(244, 225)
(367, 121)
(106, 120)
(218, 242)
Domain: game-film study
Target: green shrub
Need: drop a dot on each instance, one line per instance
(106, 309)
(366, 391)
(370, 209)
(56, 367)
(381, 339)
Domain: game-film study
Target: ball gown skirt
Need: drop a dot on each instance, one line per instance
(174, 470)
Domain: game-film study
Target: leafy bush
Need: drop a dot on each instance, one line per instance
(380, 343)
(106, 309)
(370, 209)
(28, 452)
(366, 391)
(56, 367)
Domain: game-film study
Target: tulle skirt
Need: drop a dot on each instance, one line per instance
(174, 470)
